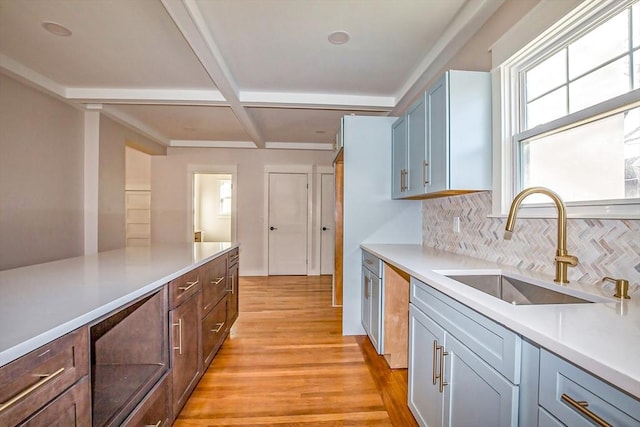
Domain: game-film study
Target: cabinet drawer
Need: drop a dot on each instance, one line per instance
(234, 256)
(214, 330)
(372, 263)
(153, 410)
(71, 408)
(493, 343)
(214, 283)
(183, 287)
(562, 382)
(31, 381)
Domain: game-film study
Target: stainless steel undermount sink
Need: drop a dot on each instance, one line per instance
(515, 291)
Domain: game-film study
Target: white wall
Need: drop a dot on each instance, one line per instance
(137, 170)
(111, 209)
(41, 177)
(171, 203)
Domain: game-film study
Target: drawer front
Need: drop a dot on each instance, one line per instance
(183, 287)
(234, 256)
(214, 283)
(71, 409)
(372, 262)
(214, 331)
(31, 381)
(493, 343)
(153, 410)
(563, 385)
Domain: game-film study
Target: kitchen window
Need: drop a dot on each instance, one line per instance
(225, 197)
(570, 108)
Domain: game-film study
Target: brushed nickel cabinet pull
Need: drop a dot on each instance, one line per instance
(232, 284)
(443, 383)
(158, 424)
(219, 325)
(45, 378)
(217, 281)
(179, 325)
(425, 174)
(191, 285)
(581, 406)
(366, 286)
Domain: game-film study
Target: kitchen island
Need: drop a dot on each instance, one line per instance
(602, 338)
(42, 302)
(137, 312)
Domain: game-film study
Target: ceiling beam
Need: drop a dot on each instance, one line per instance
(146, 96)
(135, 125)
(317, 100)
(31, 78)
(189, 20)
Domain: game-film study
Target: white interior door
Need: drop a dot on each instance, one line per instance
(287, 223)
(327, 223)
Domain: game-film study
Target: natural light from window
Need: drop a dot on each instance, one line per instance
(579, 121)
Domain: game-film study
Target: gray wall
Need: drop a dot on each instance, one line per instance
(41, 177)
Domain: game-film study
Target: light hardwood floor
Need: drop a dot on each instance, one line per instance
(286, 363)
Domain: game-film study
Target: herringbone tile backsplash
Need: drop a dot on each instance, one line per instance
(604, 247)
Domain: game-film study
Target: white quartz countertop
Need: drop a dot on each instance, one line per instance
(602, 337)
(42, 302)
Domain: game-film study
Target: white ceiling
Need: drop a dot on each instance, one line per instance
(235, 73)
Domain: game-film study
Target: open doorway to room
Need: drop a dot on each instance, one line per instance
(213, 207)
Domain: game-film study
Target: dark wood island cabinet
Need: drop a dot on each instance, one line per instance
(137, 364)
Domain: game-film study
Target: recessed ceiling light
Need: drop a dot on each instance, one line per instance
(339, 37)
(56, 29)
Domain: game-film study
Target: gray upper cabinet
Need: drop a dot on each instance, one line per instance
(418, 150)
(399, 158)
(448, 138)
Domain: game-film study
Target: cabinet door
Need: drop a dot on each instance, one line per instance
(418, 160)
(374, 311)
(476, 394)
(233, 295)
(399, 145)
(366, 301)
(185, 345)
(438, 135)
(424, 397)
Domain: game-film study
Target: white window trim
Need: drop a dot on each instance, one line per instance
(509, 49)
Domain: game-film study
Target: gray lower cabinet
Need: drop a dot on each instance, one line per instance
(372, 299)
(477, 395)
(451, 379)
(425, 400)
(573, 397)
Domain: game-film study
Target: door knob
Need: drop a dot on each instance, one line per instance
(273, 228)
(324, 228)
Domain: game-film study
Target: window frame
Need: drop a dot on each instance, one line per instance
(509, 107)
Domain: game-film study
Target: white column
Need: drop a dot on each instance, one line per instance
(91, 175)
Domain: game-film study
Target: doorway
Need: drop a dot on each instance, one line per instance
(287, 223)
(213, 207)
(327, 223)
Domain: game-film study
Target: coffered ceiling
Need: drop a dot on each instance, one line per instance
(235, 73)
